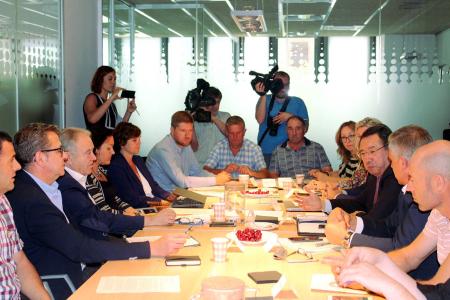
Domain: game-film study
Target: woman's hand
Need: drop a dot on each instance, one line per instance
(115, 94)
(131, 107)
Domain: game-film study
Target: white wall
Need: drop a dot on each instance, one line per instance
(82, 54)
(347, 96)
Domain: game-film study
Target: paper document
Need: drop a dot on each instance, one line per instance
(326, 283)
(138, 284)
(269, 182)
(136, 239)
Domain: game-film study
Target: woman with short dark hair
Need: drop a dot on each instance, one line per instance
(102, 192)
(128, 172)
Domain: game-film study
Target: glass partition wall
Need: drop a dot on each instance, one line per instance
(347, 59)
(30, 63)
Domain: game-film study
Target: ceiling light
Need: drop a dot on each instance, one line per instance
(342, 28)
(249, 20)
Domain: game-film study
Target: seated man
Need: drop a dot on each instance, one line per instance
(429, 183)
(79, 204)
(298, 155)
(235, 154)
(18, 274)
(404, 224)
(54, 245)
(172, 161)
(379, 197)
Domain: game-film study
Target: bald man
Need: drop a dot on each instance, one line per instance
(429, 182)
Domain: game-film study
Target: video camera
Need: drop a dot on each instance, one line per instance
(270, 84)
(196, 99)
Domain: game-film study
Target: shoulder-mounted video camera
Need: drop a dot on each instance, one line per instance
(269, 81)
(198, 98)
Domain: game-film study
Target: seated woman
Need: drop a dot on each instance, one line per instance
(99, 109)
(101, 191)
(128, 172)
(345, 139)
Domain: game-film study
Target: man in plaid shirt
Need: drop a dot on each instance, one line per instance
(298, 155)
(16, 272)
(235, 154)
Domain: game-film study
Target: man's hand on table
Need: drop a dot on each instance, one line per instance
(164, 217)
(222, 178)
(231, 168)
(172, 197)
(311, 202)
(168, 244)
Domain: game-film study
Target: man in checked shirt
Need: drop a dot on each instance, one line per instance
(17, 274)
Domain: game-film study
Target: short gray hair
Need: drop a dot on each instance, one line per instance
(31, 139)
(69, 137)
(367, 122)
(404, 141)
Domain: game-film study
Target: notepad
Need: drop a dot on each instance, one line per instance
(326, 283)
(138, 284)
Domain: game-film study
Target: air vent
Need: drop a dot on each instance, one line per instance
(249, 20)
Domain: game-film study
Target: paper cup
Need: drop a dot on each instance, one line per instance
(299, 179)
(220, 246)
(219, 211)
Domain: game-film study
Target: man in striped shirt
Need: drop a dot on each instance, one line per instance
(429, 182)
(16, 272)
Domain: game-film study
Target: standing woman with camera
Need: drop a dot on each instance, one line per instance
(99, 109)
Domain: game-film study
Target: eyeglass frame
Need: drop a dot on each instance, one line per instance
(349, 138)
(189, 221)
(305, 253)
(60, 150)
(371, 152)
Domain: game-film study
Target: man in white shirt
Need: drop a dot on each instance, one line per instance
(79, 207)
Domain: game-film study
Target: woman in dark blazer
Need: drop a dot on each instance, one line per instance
(128, 172)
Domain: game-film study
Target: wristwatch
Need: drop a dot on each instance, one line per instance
(347, 239)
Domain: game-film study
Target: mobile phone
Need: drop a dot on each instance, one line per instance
(127, 94)
(223, 224)
(182, 261)
(265, 277)
(305, 238)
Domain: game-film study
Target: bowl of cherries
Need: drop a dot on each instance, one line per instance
(250, 236)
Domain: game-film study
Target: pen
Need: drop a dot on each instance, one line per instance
(302, 261)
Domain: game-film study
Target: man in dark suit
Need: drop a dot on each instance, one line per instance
(379, 197)
(77, 204)
(404, 224)
(51, 243)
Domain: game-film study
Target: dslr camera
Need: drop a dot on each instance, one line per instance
(269, 81)
(196, 99)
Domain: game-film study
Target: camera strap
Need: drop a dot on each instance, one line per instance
(283, 109)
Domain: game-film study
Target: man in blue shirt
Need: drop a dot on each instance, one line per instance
(235, 154)
(273, 113)
(172, 161)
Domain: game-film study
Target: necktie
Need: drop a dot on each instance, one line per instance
(375, 197)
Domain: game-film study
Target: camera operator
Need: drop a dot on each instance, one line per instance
(208, 134)
(272, 114)
(99, 111)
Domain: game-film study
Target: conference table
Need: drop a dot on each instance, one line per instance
(239, 263)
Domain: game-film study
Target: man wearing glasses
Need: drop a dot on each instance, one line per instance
(379, 197)
(272, 113)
